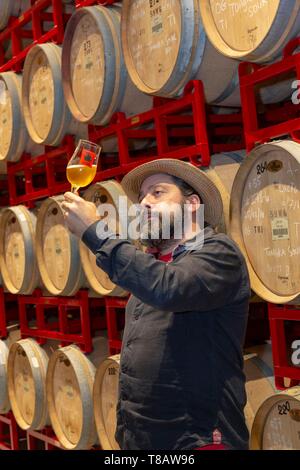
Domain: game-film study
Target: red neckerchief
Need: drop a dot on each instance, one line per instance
(166, 257)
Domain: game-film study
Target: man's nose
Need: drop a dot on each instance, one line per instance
(146, 201)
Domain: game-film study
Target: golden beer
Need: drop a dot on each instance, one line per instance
(81, 175)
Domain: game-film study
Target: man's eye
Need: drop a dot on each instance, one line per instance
(157, 192)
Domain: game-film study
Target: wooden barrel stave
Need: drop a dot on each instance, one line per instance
(5, 344)
(4, 400)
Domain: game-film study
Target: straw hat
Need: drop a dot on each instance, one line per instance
(196, 178)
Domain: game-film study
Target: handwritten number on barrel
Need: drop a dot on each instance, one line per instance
(284, 409)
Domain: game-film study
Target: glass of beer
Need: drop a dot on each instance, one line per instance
(82, 166)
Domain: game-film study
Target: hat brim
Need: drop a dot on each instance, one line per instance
(196, 178)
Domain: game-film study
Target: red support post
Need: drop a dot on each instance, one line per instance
(10, 433)
(36, 16)
(112, 305)
(261, 130)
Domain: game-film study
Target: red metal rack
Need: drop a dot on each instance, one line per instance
(43, 176)
(4, 194)
(283, 367)
(182, 119)
(178, 128)
(9, 312)
(115, 319)
(10, 433)
(258, 328)
(279, 120)
(43, 440)
(36, 17)
(65, 319)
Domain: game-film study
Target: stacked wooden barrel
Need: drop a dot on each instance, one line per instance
(167, 44)
(264, 219)
(57, 250)
(92, 60)
(252, 31)
(26, 371)
(14, 138)
(105, 395)
(46, 113)
(38, 250)
(70, 381)
(277, 422)
(17, 250)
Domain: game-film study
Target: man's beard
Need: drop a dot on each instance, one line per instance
(159, 231)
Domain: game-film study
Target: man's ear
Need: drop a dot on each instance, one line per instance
(195, 202)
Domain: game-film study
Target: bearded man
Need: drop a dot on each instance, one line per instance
(181, 382)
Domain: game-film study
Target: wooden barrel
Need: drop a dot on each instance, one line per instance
(92, 60)
(26, 371)
(264, 219)
(46, 114)
(107, 192)
(277, 422)
(259, 371)
(165, 46)
(105, 394)
(57, 250)
(70, 380)
(10, 8)
(256, 31)
(222, 171)
(17, 250)
(14, 139)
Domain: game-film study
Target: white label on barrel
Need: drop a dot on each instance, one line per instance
(35, 363)
(156, 17)
(280, 228)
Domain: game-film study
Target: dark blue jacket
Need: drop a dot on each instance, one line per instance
(181, 373)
